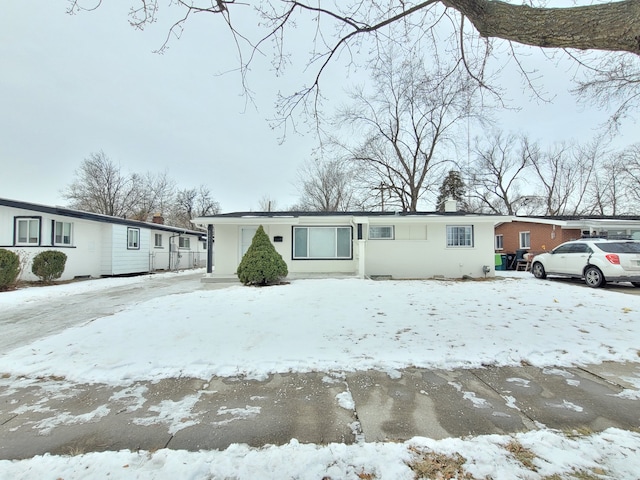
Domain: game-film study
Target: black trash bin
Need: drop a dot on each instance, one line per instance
(511, 261)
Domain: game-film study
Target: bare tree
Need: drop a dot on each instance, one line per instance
(607, 188)
(611, 81)
(267, 204)
(157, 196)
(630, 159)
(341, 28)
(101, 187)
(409, 120)
(326, 186)
(190, 203)
(499, 172)
(564, 174)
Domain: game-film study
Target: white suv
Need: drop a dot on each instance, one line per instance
(598, 261)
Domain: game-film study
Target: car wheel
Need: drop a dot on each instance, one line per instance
(593, 277)
(538, 270)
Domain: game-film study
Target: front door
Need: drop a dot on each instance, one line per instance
(246, 236)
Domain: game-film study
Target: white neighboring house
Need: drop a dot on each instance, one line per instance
(450, 244)
(97, 245)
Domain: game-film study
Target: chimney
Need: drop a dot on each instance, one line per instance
(157, 218)
(450, 205)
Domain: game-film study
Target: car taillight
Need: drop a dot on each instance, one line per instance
(613, 258)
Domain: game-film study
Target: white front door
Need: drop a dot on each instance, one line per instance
(246, 236)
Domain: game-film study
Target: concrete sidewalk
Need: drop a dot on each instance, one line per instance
(52, 415)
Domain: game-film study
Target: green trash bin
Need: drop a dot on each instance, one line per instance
(501, 262)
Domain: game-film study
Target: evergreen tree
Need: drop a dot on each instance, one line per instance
(452, 187)
(261, 265)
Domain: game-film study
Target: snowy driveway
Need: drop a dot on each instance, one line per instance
(33, 313)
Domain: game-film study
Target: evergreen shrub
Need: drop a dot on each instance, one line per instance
(9, 268)
(261, 265)
(49, 265)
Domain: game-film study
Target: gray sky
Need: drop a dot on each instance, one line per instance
(73, 85)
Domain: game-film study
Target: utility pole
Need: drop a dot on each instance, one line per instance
(382, 187)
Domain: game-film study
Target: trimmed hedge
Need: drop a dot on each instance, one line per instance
(49, 265)
(9, 268)
(261, 265)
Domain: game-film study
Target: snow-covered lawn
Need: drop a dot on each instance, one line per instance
(337, 325)
(340, 325)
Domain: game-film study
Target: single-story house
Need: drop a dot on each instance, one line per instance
(399, 245)
(97, 245)
(544, 233)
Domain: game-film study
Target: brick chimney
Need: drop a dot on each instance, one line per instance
(157, 218)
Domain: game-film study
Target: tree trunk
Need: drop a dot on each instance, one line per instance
(611, 26)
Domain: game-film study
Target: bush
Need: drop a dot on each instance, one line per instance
(48, 265)
(9, 268)
(261, 265)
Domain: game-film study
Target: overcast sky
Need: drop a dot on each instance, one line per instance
(71, 85)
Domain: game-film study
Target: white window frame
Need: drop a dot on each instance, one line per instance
(157, 240)
(31, 223)
(61, 241)
(453, 236)
(133, 238)
(381, 232)
(499, 242)
(525, 244)
(184, 242)
(319, 232)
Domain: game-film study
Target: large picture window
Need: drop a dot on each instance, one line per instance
(380, 232)
(27, 231)
(322, 242)
(459, 235)
(133, 238)
(62, 233)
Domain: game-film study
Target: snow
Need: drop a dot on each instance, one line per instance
(612, 454)
(333, 326)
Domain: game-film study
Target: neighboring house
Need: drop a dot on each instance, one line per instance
(386, 244)
(97, 245)
(539, 234)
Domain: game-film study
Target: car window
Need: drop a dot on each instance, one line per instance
(563, 248)
(619, 247)
(580, 248)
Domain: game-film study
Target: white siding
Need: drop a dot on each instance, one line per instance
(83, 256)
(125, 260)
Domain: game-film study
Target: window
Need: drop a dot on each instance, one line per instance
(499, 242)
(133, 238)
(158, 240)
(322, 242)
(459, 235)
(381, 232)
(27, 231)
(525, 240)
(184, 242)
(62, 233)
